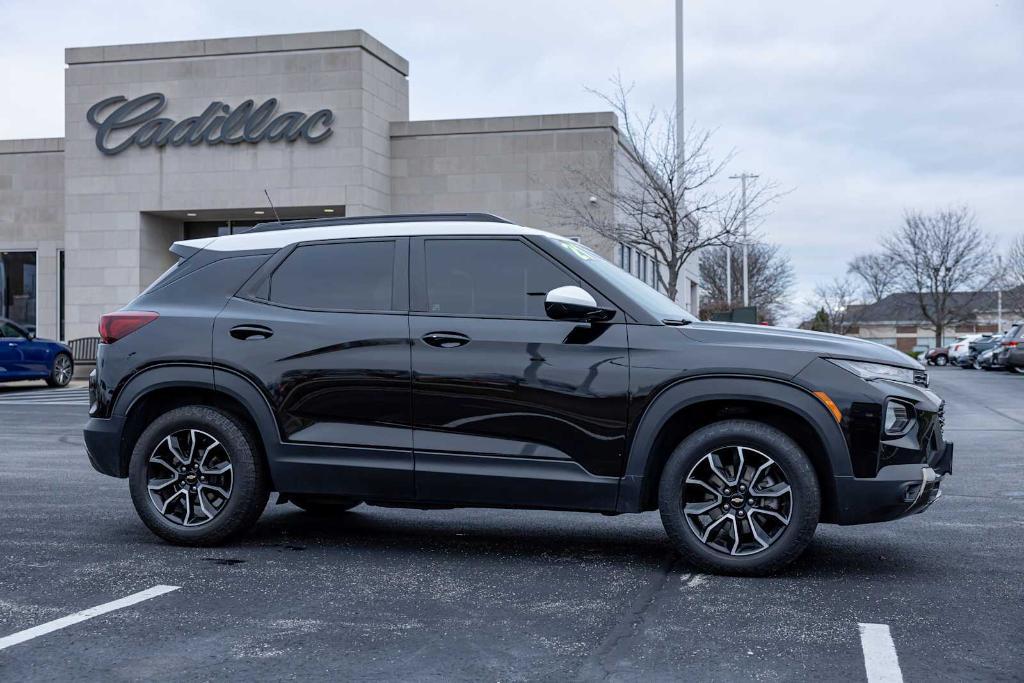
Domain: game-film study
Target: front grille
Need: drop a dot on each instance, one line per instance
(921, 378)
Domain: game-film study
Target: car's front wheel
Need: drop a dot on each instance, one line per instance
(62, 371)
(1019, 369)
(739, 497)
(941, 360)
(196, 477)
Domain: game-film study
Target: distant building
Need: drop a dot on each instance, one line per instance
(897, 321)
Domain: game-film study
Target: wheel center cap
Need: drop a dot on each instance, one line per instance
(191, 478)
(737, 501)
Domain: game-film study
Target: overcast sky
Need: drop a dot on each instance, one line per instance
(863, 108)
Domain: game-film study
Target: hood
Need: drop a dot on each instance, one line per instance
(821, 343)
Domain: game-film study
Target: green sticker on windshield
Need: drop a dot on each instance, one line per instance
(578, 249)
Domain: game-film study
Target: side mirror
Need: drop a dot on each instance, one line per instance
(576, 304)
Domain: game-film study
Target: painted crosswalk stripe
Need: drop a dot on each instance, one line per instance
(880, 660)
(76, 396)
(84, 615)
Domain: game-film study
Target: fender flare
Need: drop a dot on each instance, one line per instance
(158, 377)
(218, 380)
(690, 392)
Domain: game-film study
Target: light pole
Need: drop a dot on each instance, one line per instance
(680, 138)
(743, 178)
(728, 276)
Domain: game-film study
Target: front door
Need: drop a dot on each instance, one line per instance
(511, 407)
(17, 359)
(326, 336)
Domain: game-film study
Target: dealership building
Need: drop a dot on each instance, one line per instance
(179, 140)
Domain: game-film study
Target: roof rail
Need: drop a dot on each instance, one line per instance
(365, 220)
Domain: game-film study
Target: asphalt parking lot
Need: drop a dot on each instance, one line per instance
(506, 595)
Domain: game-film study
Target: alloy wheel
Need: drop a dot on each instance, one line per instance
(189, 477)
(737, 500)
(62, 370)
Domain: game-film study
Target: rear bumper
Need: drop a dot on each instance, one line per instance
(103, 445)
(897, 491)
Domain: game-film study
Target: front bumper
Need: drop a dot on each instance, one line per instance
(103, 445)
(897, 491)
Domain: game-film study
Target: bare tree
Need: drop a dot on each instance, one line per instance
(877, 273)
(836, 306)
(665, 200)
(1012, 278)
(945, 260)
(770, 273)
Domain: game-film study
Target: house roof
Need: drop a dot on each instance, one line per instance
(903, 307)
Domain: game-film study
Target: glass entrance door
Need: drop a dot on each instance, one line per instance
(18, 287)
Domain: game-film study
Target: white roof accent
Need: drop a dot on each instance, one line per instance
(275, 239)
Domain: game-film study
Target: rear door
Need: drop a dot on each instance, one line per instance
(323, 331)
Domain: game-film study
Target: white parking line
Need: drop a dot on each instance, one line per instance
(880, 660)
(57, 624)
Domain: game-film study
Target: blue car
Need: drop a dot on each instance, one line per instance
(22, 356)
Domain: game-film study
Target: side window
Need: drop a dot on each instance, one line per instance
(343, 276)
(9, 331)
(489, 277)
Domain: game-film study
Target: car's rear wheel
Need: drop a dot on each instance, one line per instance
(196, 477)
(62, 371)
(1016, 368)
(941, 360)
(324, 507)
(739, 497)
(976, 365)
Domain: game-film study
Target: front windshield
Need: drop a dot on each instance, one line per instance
(653, 301)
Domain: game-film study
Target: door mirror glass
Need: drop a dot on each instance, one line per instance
(574, 303)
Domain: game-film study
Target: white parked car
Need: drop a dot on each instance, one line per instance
(962, 346)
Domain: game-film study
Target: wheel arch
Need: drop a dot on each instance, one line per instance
(163, 388)
(688, 405)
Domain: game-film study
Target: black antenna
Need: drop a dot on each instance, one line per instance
(272, 205)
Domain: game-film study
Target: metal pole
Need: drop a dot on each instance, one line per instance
(999, 306)
(680, 137)
(728, 276)
(746, 274)
(743, 178)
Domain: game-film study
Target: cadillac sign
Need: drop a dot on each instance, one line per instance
(115, 116)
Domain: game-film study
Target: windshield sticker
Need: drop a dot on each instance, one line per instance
(578, 249)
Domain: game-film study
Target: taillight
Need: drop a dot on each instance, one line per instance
(114, 326)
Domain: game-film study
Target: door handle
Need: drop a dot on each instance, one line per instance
(251, 332)
(445, 340)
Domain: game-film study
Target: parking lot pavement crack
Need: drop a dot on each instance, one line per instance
(599, 665)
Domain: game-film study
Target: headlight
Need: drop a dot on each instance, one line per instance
(873, 371)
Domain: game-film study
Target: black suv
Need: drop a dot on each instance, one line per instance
(460, 360)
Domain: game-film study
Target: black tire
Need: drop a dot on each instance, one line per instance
(941, 360)
(249, 485)
(1016, 368)
(62, 371)
(805, 497)
(324, 507)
